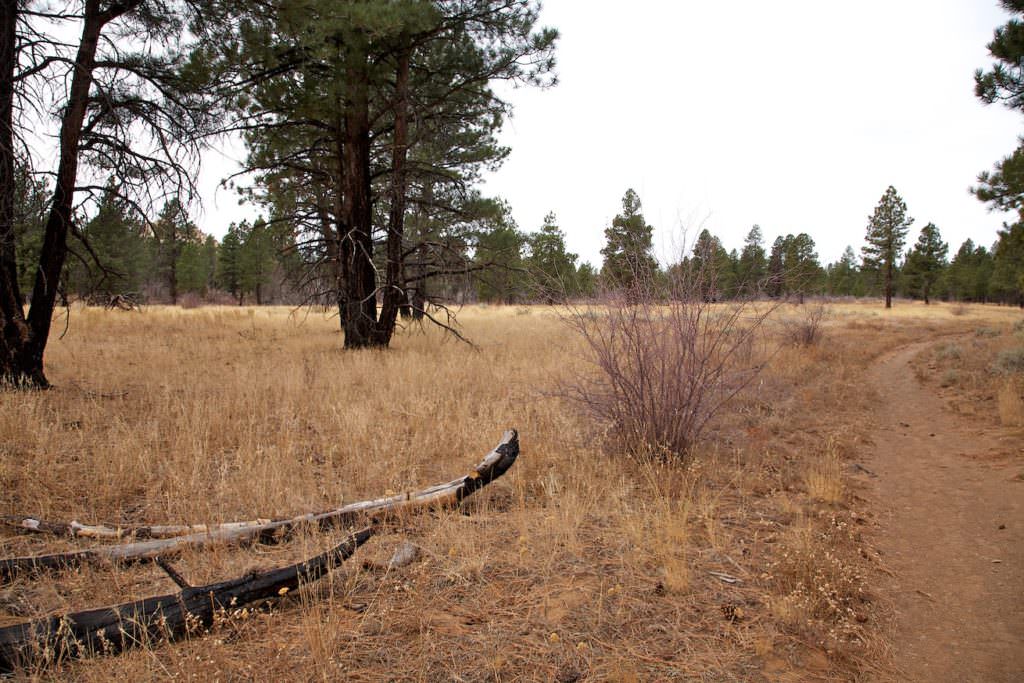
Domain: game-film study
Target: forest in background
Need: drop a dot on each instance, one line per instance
(169, 259)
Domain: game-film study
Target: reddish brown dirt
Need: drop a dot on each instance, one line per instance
(952, 500)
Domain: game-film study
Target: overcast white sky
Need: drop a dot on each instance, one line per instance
(795, 115)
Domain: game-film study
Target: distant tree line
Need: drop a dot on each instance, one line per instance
(163, 259)
(538, 264)
(169, 259)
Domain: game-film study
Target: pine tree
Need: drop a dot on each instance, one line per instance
(802, 270)
(364, 115)
(886, 234)
(752, 266)
(775, 284)
(1003, 188)
(586, 280)
(552, 266)
(711, 268)
(843, 276)
(925, 262)
(1008, 265)
(629, 242)
(172, 231)
(118, 261)
(499, 245)
(29, 224)
(969, 273)
(229, 267)
(256, 260)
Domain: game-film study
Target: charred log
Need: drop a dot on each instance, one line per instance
(110, 630)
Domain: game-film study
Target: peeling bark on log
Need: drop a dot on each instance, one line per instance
(109, 630)
(449, 494)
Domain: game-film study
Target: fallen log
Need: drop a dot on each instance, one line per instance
(449, 494)
(110, 630)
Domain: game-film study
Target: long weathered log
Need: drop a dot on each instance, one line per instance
(494, 464)
(109, 630)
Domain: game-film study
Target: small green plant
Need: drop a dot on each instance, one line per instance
(949, 378)
(987, 332)
(949, 352)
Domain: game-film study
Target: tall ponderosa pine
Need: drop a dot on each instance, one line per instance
(1003, 188)
(926, 262)
(886, 235)
(124, 106)
(629, 243)
(368, 123)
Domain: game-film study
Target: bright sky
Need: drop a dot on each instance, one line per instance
(794, 115)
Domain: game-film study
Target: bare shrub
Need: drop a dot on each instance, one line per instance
(807, 329)
(664, 359)
(958, 310)
(190, 300)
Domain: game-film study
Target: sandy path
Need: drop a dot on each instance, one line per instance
(952, 531)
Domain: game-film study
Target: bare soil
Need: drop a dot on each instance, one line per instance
(951, 495)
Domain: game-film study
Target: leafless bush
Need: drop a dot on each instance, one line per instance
(664, 359)
(190, 300)
(807, 328)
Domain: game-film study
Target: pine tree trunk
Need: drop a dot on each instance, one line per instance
(888, 284)
(18, 365)
(394, 291)
(357, 243)
(25, 365)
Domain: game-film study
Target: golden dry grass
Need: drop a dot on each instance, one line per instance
(1011, 404)
(580, 564)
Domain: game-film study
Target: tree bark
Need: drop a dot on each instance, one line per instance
(16, 366)
(360, 278)
(110, 630)
(888, 283)
(54, 249)
(394, 291)
(25, 342)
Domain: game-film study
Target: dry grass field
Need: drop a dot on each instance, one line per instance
(752, 560)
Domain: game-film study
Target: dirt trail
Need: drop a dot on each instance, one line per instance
(952, 531)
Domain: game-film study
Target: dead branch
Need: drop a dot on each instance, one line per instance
(110, 630)
(170, 540)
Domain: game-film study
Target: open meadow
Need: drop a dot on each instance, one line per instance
(754, 557)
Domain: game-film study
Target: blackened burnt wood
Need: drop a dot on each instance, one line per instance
(110, 630)
(449, 494)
